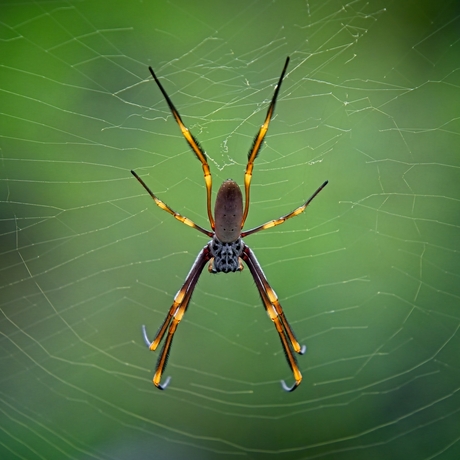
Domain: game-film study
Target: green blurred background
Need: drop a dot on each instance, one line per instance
(368, 276)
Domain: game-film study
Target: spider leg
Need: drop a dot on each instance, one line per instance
(191, 278)
(273, 299)
(275, 312)
(163, 358)
(175, 314)
(193, 143)
(258, 140)
(165, 207)
(275, 222)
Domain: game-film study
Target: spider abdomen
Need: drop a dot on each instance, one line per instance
(226, 256)
(228, 212)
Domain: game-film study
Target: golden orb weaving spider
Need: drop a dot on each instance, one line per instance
(226, 249)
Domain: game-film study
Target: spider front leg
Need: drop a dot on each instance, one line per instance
(175, 315)
(276, 314)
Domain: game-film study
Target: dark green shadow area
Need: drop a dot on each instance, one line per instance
(368, 276)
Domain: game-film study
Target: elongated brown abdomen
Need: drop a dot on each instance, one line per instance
(228, 212)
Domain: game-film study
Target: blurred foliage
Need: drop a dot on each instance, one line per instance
(368, 275)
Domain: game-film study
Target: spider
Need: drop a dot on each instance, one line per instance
(226, 250)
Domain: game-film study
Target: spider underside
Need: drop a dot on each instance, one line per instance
(226, 250)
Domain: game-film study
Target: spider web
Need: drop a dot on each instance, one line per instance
(368, 276)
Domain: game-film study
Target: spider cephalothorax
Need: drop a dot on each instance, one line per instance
(226, 256)
(226, 249)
